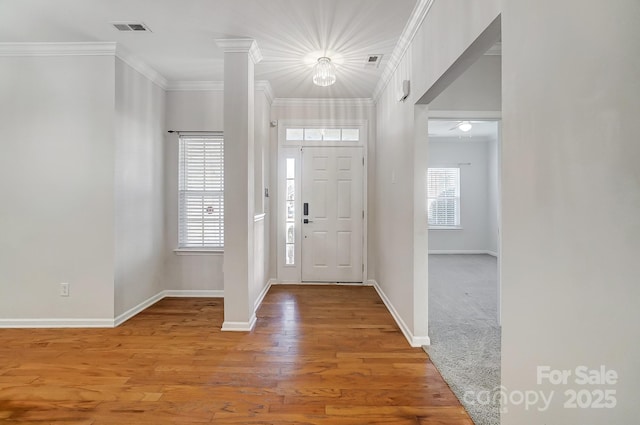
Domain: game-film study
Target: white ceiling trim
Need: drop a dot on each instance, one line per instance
(265, 87)
(82, 49)
(418, 16)
(142, 67)
(260, 85)
(58, 49)
(195, 86)
(323, 101)
(241, 45)
(465, 115)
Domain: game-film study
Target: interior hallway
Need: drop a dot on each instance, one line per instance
(318, 355)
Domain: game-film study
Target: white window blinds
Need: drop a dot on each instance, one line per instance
(201, 192)
(443, 197)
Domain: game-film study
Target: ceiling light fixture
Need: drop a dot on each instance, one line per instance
(465, 126)
(324, 73)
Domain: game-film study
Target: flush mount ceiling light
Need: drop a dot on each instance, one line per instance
(324, 73)
(465, 126)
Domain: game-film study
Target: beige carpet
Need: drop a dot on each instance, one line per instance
(464, 331)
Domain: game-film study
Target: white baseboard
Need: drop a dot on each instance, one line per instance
(320, 283)
(193, 293)
(420, 341)
(263, 294)
(248, 326)
(462, 251)
(205, 293)
(137, 309)
(239, 326)
(108, 323)
(414, 341)
(56, 323)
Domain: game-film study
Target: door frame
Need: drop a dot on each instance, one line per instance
(293, 149)
(495, 116)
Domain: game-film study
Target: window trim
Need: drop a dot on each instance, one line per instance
(196, 250)
(445, 227)
(435, 227)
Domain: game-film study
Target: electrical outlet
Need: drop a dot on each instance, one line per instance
(64, 289)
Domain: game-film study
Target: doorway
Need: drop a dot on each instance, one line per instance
(463, 210)
(321, 203)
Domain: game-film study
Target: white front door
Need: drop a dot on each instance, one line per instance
(332, 214)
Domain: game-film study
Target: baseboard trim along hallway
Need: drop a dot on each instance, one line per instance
(414, 341)
(108, 323)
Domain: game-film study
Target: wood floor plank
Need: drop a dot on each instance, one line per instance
(318, 355)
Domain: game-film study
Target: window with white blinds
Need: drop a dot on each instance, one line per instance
(443, 197)
(201, 192)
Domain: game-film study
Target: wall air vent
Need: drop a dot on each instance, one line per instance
(373, 61)
(131, 26)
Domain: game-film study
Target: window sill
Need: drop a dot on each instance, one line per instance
(198, 251)
(446, 228)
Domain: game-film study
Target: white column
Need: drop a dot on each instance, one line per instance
(240, 56)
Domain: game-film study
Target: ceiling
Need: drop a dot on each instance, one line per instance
(291, 35)
(480, 130)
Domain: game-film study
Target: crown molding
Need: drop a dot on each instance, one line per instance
(465, 115)
(195, 86)
(83, 49)
(283, 102)
(260, 85)
(418, 16)
(58, 49)
(241, 45)
(142, 67)
(265, 87)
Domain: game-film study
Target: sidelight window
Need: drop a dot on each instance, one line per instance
(290, 225)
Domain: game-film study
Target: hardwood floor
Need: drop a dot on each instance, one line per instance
(318, 355)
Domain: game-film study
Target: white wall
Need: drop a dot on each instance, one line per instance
(394, 202)
(188, 111)
(202, 110)
(57, 185)
(571, 202)
(324, 110)
(195, 110)
(449, 28)
(474, 195)
(139, 188)
(262, 235)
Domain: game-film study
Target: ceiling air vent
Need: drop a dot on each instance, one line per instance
(131, 26)
(373, 61)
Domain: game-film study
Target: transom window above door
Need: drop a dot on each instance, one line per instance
(323, 134)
